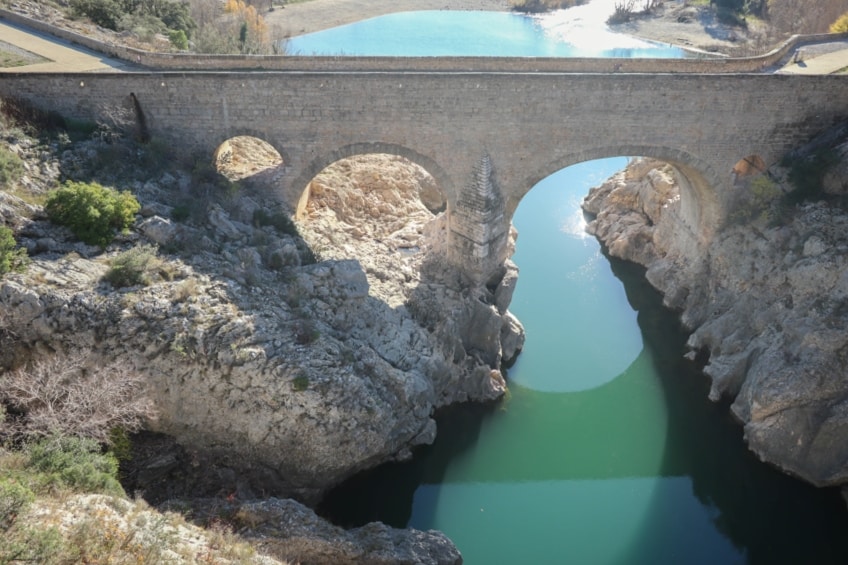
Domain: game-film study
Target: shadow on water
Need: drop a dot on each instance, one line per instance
(769, 517)
(386, 493)
(758, 514)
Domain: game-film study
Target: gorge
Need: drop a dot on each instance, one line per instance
(345, 309)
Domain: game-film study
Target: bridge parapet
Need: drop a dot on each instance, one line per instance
(201, 62)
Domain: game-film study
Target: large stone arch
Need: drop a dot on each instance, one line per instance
(299, 187)
(701, 206)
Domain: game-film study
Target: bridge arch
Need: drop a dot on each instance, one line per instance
(701, 207)
(241, 156)
(300, 185)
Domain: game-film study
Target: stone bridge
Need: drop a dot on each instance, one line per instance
(486, 136)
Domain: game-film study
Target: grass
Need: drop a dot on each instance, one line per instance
(11, 56)
(56, 508)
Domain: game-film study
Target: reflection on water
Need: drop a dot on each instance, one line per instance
(581, 332)
(641, 468)
(607, 451)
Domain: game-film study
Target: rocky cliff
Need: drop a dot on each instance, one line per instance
(766, 299)
(292, 373)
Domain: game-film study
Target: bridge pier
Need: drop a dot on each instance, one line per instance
(479, 227)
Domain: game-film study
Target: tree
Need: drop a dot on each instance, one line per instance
(252, 30)
(840, 25)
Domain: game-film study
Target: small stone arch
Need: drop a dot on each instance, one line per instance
(230, 157)
(301, 184)
(700, 204)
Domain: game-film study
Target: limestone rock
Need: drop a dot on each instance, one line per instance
(159, 230)
(768, 303)
(288, 530)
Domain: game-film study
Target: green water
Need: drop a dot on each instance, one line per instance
(606, 450)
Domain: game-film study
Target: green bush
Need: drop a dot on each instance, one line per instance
(133, 267)
(178, 39)
(12, 257)
(763, 200)
(300, 383)
(11, 168)
(105, 13)
(91, 211)
(14, 498)
(807, 174)
(75, 463)
(279, 221)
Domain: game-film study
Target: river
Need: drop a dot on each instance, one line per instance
(606, 450)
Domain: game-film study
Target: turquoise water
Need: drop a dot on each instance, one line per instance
(607, 450)
(441, 33)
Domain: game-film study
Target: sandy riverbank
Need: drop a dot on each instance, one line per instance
(674, 23)
(314, 15)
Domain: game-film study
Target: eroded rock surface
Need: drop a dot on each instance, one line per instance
(769, 303)
(252, 350)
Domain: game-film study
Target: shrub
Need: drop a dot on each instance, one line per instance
(278, 220)
(840, 25)
(181, 212)
(12, 257)
(14, 498)
(763, 200)
(11, 168)
(807, 174)
(57, 395)
(105, 13)
(300, 382)
(133, 267)
(75, 463)
(178, 39)
(91, 211)
(538, 6)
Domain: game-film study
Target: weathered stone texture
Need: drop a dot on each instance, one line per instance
(529, 124)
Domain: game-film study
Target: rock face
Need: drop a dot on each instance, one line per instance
(288, 530)
(311, 372)
(769, 303)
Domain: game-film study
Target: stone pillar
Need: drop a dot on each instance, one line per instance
(479, 229)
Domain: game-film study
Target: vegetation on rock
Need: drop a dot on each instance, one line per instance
(62, 395)
(11, 168)
(136, 266)
(12, 257)
(92, 212)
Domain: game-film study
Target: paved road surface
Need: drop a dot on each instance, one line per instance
(63, 56)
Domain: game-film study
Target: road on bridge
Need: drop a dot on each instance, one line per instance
(64, 57)
(54, 55)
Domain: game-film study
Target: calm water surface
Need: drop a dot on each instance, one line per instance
(606, 450)
(441, 33)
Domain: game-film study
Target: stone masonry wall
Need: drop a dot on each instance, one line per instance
(529, 124)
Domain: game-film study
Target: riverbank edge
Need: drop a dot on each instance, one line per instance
(229, 63)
